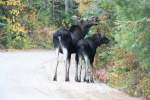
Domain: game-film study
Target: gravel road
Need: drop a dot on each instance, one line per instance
(27, 75)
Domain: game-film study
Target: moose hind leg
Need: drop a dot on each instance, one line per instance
(80, 69)
(77, 62)
(57, 62)
(65, 55)
(68, 66)
(86, 76)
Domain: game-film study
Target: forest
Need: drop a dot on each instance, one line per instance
(125, 65)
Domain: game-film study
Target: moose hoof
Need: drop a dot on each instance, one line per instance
(76, 79)
(79, 81)
(67, 80)
(87, 81)
(54, 79)
(92, 81)
(84, 80)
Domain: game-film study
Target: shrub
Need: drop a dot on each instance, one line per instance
(42, 37)
(101, 75)
(144, 85)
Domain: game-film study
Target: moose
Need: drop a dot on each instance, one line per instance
(65, 41)
(86, 49)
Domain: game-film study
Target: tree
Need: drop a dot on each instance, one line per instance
(14, 33)
(30, 3)
(68, 6)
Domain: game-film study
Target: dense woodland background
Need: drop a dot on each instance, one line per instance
(125, 65)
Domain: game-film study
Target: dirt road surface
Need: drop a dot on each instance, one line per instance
(27, 75)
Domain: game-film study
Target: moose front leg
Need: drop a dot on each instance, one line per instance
(66, 62)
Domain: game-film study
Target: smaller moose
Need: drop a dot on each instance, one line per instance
(86, 52)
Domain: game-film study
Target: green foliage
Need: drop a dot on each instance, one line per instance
(134, 36)
(67, 20)
(131, 27)
(119, 70)
(88, 7)
(127, 9)
(42, 37)
(103, 57)
(118, 80)
(18, 41)
(13, 34)
(20, 20)
(144, 85)
(128, 22)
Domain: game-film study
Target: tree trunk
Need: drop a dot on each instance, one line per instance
(66, 6)
(52, 8)
(46, 3)
(30, 2)
(71, 4)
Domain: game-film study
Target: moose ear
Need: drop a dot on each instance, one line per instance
(81, 21)
(84, 19)
(95, 18)
(76, 18)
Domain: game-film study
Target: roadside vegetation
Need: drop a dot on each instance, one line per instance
(124, 65)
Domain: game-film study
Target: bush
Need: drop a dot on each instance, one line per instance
(17, 41)
(128, 61)
(102, 75)
(144, 85)
(42, 37)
